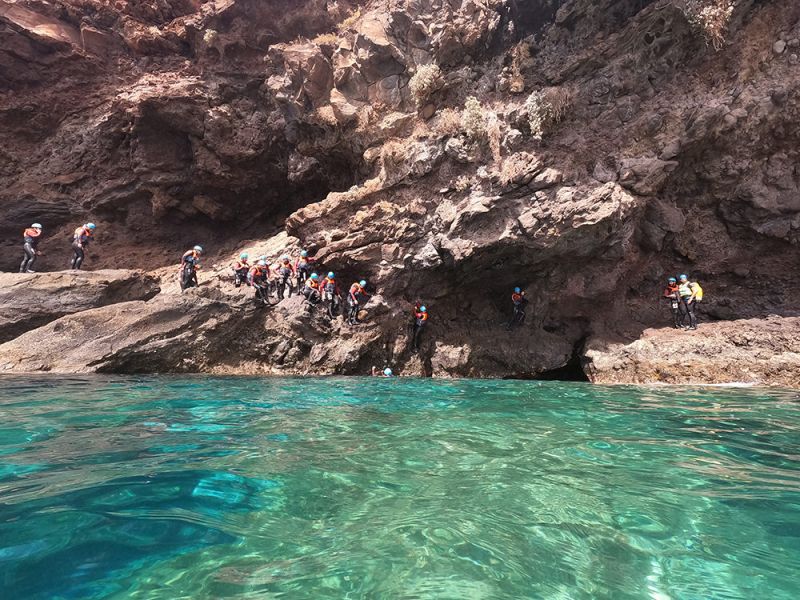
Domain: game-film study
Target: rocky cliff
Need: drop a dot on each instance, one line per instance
(445, 150)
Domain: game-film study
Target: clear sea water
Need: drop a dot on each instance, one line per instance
(176, 487)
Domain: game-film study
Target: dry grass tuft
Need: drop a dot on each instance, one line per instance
(447, 122)
(350, 21)
(546, 108)
(711, 17)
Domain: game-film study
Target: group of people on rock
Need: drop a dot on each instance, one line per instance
(683, 296)
(33, 235)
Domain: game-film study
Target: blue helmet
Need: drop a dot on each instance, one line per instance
(304, 253)
(423, 309)
(263, 257)
(672, 280)
(244, 255)
(36, 226)
(262, 263)
(198, 249)
(362, 283)
(387, 372)
(330, 275)
(517, 290)
(682, 276)
(314, 276)
(91, 226)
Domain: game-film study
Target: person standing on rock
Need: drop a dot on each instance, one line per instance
(258, 277)
(420, 320)
(519, 301)
(688, 293)
(80, 239)
(240, 270)
(30, 239)
(190, 263)
(284, 270)
(331, 294)
(354, 301)
(303, 267)
(673, 296)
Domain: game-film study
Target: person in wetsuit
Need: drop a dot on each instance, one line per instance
(80, 239)
(519, 301)
(284, 271)
(329, 290)
(258, 277)
(240, 270)
(355, 295)
(673, 296)
(190, 263)
(30, 239)
(311, 290)
(420, 320)
(303, 268)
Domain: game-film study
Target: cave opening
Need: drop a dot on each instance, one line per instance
(572, 371)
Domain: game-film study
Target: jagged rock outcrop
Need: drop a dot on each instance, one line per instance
(757, 351)
(28, 301)
(582, 150)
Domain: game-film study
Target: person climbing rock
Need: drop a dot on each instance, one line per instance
(30, 241)
(302, 267)
(356, 298)
(190, 264)
(311, 290)
(420, 319)
(331, 295)
(519, 301)
(258, 278)
(673, 296)
(387, 372)
(240, 270)
(688, 300)
(80, 239)
(284, 270)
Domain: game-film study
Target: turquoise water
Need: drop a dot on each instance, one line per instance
(159, 487)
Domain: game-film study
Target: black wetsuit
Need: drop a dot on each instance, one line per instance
(80, 240)
(420, 319)
(29, 249)
(284, 279)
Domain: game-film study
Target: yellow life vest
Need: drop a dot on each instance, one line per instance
(698, 291)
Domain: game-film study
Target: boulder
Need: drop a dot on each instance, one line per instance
(758, 351)
(30, 300)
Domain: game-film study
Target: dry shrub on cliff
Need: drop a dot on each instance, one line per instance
(473, 121)
(516, 167)
(350, 21)
(448, 122)
(326, 39)
(546, 108)
(424, 82)
(711, 17)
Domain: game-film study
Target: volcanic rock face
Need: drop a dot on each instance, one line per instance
(447, 150)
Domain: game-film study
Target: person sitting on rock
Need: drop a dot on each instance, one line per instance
(80, 239)
(30, 240)
(190, 264)
(387, 372)
(673, 296)
(519, 301)
(688, 293)
(302, 267)
(356, 298)
(258, 277)
(240, 270)
(284, 269)
(420, 319)
(311, 290)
